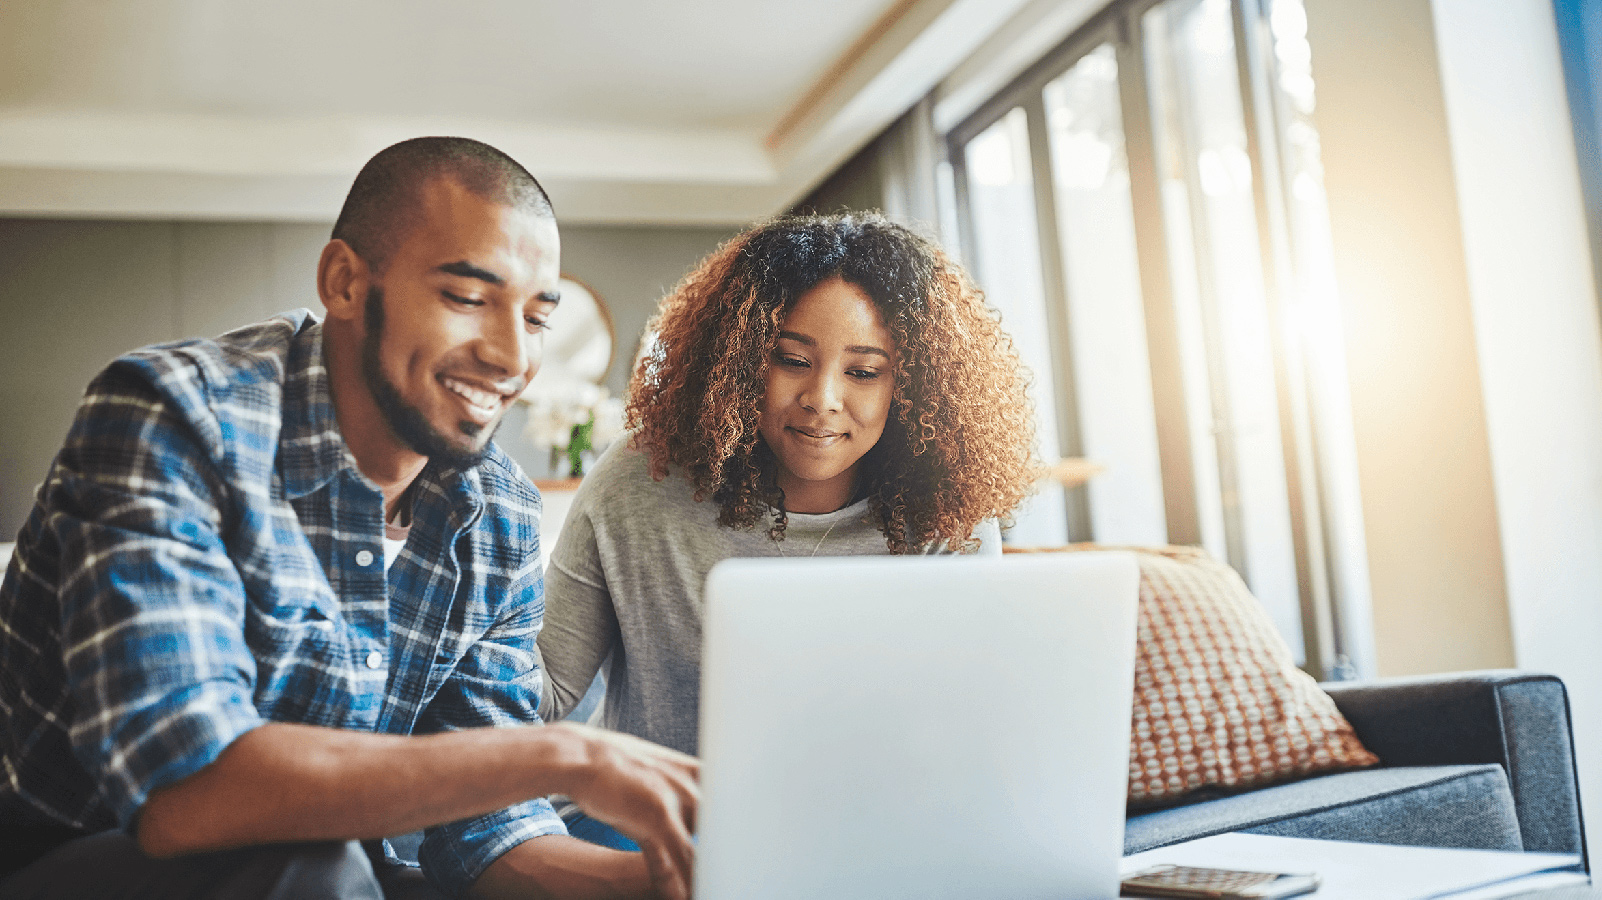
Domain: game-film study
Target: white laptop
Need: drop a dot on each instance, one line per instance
(893, 727)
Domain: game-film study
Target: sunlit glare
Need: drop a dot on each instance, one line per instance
(993, 157)
(1224, 171)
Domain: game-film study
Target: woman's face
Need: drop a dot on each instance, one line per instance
(828, 393)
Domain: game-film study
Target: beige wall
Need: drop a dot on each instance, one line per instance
(74, 294)
(1540, 342)
(1429, 505)
(632, 267)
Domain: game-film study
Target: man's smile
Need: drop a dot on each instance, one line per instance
(482, 401)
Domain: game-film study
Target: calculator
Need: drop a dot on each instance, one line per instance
(1216, 884)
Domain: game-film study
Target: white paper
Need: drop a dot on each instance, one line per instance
(1353, 871)
(1541, 881)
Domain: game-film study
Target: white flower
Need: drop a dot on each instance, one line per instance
(548, 426)
(608, 413)
(557, 406)
(551, 417)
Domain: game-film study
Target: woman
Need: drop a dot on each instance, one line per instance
(821, 386)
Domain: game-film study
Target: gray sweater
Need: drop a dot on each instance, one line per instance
(625, 581)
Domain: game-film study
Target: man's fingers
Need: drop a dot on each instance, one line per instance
(670, 875)
(651, 794)
(683, 847)
(672, 840)
(692, 768)
(642, 745)
(690, 805)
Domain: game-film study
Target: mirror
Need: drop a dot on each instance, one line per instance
(579, 344)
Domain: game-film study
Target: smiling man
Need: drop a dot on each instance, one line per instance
(280, 591)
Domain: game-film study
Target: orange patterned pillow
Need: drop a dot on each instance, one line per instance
(1219, 701)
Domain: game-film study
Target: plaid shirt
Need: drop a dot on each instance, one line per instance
(204, 556)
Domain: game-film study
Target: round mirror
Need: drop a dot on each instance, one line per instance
(579, 342)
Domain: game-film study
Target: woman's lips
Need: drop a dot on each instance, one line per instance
(817, 437)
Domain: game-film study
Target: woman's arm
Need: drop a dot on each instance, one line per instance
(580, 624)
(580, 630)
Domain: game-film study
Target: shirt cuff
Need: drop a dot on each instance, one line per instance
(173, 740)
(454, 855)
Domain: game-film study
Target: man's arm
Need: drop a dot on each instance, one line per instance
(162, 676)
(284, 782)
(558, 866)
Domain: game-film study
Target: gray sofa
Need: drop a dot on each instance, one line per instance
(1483, 760)
(1477, 759)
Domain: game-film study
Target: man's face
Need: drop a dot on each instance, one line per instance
(454, 324)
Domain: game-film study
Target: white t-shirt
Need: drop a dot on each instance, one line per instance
(394, 540)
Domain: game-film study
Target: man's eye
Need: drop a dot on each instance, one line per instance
(462, 301)
(537, 325)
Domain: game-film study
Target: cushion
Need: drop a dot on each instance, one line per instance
(1424, 806)
(1219, 701)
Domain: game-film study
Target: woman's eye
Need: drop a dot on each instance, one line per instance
(864, 374)
(794, 362)
(537, 325)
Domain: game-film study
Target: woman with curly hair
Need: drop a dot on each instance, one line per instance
(818, 386)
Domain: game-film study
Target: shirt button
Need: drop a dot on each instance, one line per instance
(375, 659)
(364, 558)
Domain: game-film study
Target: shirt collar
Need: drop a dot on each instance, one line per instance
(310, 448)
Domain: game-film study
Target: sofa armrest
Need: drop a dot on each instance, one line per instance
(1518, 720)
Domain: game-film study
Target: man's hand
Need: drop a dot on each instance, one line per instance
(284, 782)
(647, 792)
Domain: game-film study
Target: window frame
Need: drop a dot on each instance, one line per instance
(1121, 25)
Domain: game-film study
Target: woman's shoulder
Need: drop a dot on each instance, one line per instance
(620, 460)
(621, 480)
(986, 542)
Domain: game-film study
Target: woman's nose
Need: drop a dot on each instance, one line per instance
(822, 393)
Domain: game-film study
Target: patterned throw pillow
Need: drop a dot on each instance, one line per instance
(1219, 701)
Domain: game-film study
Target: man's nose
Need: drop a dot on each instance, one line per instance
(506, 345)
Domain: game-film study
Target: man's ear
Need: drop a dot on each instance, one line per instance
(342, 280)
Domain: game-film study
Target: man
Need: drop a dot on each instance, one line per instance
(278, 589)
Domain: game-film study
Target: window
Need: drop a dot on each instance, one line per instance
(1216, 263)
(1005, 244)
(1101, 274)
(1145, 208)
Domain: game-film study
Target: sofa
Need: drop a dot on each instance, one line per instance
(1480, 760)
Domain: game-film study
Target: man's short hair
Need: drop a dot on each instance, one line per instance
(383, 199)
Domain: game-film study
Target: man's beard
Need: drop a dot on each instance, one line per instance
(405, 420)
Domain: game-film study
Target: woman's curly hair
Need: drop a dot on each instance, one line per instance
(958, 445)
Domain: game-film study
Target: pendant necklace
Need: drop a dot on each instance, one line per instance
(826, 533)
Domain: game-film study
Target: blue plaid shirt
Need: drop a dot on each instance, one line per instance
(204, 556)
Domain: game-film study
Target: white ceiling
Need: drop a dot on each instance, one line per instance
(716, 111)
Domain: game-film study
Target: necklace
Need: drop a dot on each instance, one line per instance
(826, 533)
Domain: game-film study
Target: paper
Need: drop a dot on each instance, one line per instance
(1359, 871)
(1541, 881)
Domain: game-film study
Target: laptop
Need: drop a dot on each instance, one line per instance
(893, 727)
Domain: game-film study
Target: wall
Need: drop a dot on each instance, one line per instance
(1423, 454)
(1539, 338)
(74, 294)
(1473, 335)
(632, 268)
